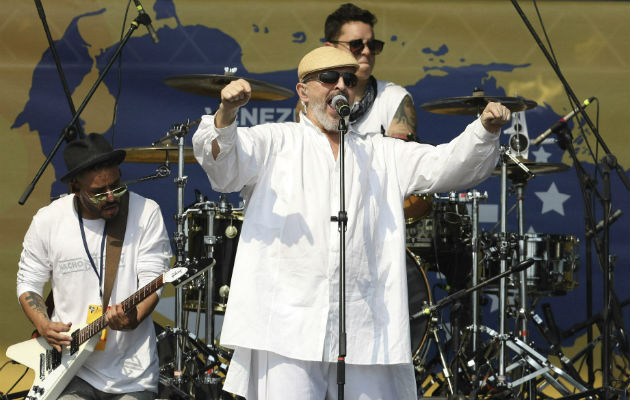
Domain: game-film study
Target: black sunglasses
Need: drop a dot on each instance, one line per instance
(330, 77)
(356, 46)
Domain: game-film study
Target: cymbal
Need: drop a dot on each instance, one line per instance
(211, 85)
(536, 168)
(158, 154)
(473, 105)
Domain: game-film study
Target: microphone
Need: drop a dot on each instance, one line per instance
(340, 104)
(600, 225)
(148, 24)
(561, 122)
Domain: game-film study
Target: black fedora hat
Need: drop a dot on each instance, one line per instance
(81, 154)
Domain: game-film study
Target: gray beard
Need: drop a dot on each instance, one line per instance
(319, 111)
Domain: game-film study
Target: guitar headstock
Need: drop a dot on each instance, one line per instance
(174, 274)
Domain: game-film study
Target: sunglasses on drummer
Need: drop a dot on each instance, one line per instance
(356, 46)
(101, 197)
(332, 77)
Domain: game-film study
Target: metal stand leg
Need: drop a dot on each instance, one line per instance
(445, 370)
(503, 248)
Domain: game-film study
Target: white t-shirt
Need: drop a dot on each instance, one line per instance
(53, 248)
(284, 288)
(388, 99)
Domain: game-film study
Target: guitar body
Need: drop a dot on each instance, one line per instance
(50, 381)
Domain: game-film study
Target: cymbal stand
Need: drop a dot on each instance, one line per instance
(474, 197)
(178, 133)
(503, 251)
(519, 181)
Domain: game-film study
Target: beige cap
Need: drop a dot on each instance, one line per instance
(325, 57)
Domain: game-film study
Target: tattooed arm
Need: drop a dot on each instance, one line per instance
(35, 309)
(404, 124)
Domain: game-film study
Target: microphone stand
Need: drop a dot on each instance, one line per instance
(609, 163)
(143, 19)
(342, 222)
(62, 77)
(571, 94)
(463, 292)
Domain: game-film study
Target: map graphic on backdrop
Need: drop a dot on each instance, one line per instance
(147, 108)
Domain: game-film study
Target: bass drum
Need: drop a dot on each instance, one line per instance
(419, 294)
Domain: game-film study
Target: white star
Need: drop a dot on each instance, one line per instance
(552, 200)
(541, 155)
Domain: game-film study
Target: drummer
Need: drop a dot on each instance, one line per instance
(282, 316)
(381, 106)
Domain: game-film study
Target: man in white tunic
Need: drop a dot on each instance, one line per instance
(283, 309)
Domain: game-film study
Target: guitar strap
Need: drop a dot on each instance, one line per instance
(115, 230)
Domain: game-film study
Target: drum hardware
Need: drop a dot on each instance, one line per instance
(165, 154)
(161, 172)
(173, 133)
(445, 369)
(441, 233)
(504, 155)
(472, 197)
(428, 311)
(609, 164)
(528, 357)
(204, 366)
(211, 85)
(212, 231)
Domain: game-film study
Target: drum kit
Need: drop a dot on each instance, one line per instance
(442, 235)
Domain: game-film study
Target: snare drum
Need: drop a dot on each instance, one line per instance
(556, 260)
(212, 232)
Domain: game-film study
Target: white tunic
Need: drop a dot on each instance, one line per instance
(284, 292)
(53, 248)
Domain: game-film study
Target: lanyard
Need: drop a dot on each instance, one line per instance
(87, 250)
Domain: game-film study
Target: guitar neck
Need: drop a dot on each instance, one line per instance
(130, 302)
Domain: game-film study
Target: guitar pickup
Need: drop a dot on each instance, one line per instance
(53, 359)
(42, 366)
(74, 344)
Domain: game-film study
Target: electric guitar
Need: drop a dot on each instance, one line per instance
(53, 369)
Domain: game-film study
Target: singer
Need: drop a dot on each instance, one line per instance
(282, 313)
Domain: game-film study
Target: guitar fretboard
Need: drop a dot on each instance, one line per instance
(99, 324)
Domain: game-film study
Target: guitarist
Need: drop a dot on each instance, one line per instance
(101, 241)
